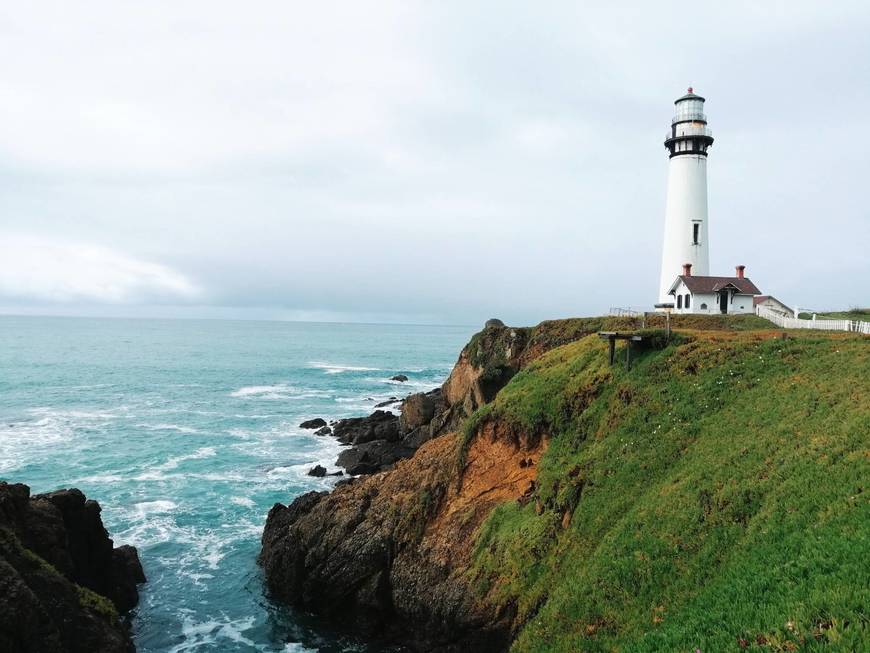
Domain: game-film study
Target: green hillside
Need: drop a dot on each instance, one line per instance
(713, 497)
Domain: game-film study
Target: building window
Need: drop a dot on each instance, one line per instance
(679, 301)
(703, 307)
(696, 232)
(687, 300)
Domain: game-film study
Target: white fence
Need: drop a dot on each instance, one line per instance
(828, 325)
(625, 312)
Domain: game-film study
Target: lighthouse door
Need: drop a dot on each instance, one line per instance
(723, 301)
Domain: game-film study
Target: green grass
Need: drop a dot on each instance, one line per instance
(94, 602)
(88, 599)
(10, 543)
(862, 314)
(712, 497)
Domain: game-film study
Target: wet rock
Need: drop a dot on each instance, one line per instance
(51, 546)
(380, 425)
(372, 457)
(352, 556)
(388, 402)
(127, 573)
(318, 470)
(401, 378)
(316, 423)
(324, 430)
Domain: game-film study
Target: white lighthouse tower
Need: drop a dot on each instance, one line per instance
(686, 227)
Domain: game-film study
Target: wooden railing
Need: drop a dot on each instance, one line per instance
(786, 322)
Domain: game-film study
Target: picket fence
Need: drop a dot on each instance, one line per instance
(786, 322)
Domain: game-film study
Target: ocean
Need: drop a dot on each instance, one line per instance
(187, 432)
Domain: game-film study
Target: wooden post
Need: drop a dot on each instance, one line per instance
(612, 342)
(627, 355)
(668, 325)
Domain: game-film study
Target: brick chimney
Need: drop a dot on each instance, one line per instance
(740, 269)
(687, 269)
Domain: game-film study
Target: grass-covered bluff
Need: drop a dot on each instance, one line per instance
(710, 498)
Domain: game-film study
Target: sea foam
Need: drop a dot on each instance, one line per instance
(259, 390)
(333, 368)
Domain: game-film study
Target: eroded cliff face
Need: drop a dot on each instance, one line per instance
(62, 582)
(389, 554)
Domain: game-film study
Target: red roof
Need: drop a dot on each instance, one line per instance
(713, 284)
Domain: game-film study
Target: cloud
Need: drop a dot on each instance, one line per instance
(459, 160)
(36, 270)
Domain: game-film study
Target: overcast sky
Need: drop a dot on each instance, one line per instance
(439, 162)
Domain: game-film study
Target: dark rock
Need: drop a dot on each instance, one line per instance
(380, 425)
(401, 378)
(126, 574)
(493, 323)
(351, 556)
(388, 402)
(282, 517)
(49, 544)
(318, 470)
(323, 430)
(316, 423)
(372, 457)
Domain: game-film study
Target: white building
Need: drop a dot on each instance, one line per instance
(771, 302)
(686, 229)
(711, 295)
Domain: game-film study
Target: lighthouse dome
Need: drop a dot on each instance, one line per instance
(689, 107)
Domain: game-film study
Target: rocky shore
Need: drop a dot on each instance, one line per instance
(377, 442)
(388, 553)
(63, 583)
(583, 506)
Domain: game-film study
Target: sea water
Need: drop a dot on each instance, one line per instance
(187, 432)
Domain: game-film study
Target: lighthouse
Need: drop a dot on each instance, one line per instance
(686, 226)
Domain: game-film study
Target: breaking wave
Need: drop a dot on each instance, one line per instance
(332, 368)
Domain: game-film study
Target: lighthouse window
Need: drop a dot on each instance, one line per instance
(688, 297)
(679, 301)
(696, 229)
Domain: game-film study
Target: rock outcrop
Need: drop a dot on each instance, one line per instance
(389, 554)
(382, 439)
(380, 425)
(62, 583)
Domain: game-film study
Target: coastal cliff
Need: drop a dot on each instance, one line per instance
(62, 582)
(558, 503)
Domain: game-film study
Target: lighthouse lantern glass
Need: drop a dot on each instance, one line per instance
(690, 109)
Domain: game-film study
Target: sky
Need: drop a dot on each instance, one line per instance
(420, 162)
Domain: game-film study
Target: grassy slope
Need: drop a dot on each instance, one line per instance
(862, 314)
(717, 492)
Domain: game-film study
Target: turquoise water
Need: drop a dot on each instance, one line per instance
(186, 432)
